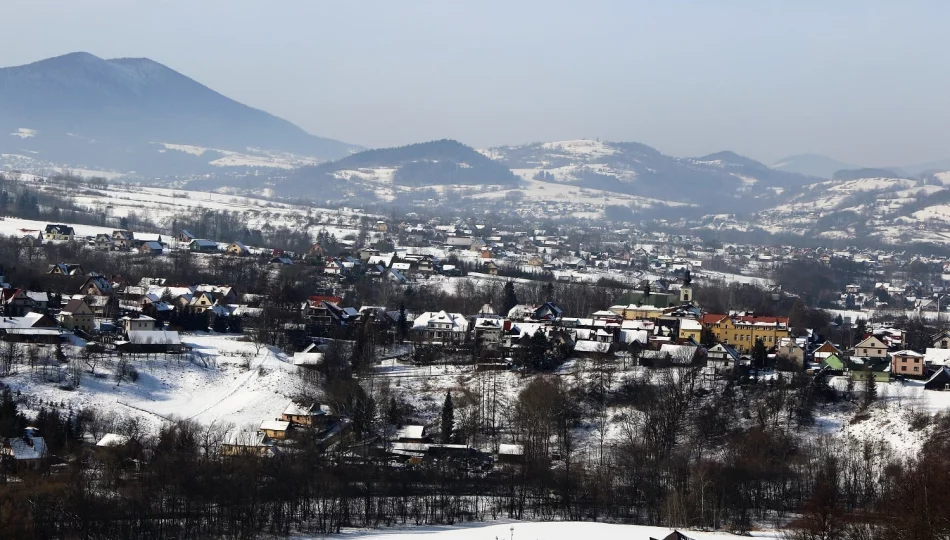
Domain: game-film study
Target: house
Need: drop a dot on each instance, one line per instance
(510, 453)
(690, 329)
(825, 350)
(722, 358)
(137, 323)
(151, 248)
(185, 237)
(122, 239)
(940, 380)
(142, 341)
(907, 363)
(14, 302)
(104, 242)
(246, 443)
(941, 340)
(792, 351)
(97, 286)
(871, 347)
(64, 269)
(275, 429)
(309, 416)
(30, 328)
(281, 261)
(24, 453)
(77, 315)
(833, 363)
(487, 330)
(311, 356)
(441, 327)
(61, 233)
(411, 434)
(203, 246)
(237, 248)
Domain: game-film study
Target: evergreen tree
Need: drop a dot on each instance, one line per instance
(759, 354)
(448, 418)
(860, 329)
(511, 299)
(403, 322)
(798, 317)
(870, 388)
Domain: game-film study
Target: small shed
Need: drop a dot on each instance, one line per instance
(510, 453)
(940, 380)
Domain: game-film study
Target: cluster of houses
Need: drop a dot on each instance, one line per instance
(275, 436)
(137, 317)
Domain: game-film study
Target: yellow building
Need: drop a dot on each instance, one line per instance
(634, 312)
(690, 329)
(741, 332)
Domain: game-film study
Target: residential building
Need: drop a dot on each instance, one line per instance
(871, 347)
(742, 331)
(907, 363)
(61, 233)
(77, 315)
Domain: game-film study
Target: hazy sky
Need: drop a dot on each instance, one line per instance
(865, 81)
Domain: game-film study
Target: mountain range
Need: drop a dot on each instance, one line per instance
(136, 114)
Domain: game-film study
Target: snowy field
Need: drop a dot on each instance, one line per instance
(162, 205)
(227, 382)
(519, 530)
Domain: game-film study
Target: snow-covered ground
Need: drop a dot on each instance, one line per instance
(228, 382)
(521, 530)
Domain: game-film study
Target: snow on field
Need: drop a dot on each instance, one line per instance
(163, 204)
(712, 275)
(522, 530)
(17, 227)
(890, 418)
(537, 190)
(580, 148)
(186, 148)
(229, 382)
(253, 157)
(939, 212)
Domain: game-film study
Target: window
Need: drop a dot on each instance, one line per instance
(916, 369)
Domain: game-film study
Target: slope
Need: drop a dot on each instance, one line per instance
(112, 113)
(387, 172)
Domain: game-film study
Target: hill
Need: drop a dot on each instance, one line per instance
(137, 114)
(388, 173)
(716, 180)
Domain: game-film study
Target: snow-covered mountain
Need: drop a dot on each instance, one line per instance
(136, 114)
(716, 180)
(389, 174)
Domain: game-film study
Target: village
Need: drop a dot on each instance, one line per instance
(650, 319)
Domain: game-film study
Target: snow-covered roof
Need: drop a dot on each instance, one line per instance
(937, 356)
(155, 337)
(274, 425)
(28, 447)
(690, 324)
(591, 346)
(511, 449)
(410, 432)
(112, 439)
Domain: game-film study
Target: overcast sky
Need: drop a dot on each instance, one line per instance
(864, 81)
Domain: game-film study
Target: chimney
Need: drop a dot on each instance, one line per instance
(507, 325)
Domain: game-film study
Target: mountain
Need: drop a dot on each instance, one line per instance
(811, 165)
(134, 113)
(717, 181)
(389, 173)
